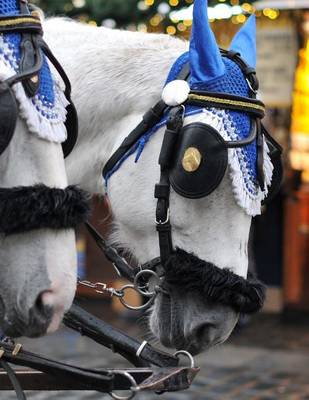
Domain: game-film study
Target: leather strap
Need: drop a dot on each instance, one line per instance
(20, 395)
(20, 23)
(118, 341)
(121, 266)
(90, 379)
(227, 101)
(29, 52)
(149, 120)
(162, 189)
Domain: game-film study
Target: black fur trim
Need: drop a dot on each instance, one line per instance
(217, 285)
(26, 208)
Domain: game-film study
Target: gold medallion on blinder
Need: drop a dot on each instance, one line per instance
(192, 159)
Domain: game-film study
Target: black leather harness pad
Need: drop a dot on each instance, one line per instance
(8, 116)
(214, 159)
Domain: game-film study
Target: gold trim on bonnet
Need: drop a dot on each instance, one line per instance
(226, 102)
(19, 21)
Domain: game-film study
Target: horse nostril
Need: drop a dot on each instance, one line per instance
(43, 305)
(204, 333)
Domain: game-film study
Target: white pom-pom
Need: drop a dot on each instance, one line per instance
(175, 92)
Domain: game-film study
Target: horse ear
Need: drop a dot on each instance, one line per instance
(244, 41)
(205, 58)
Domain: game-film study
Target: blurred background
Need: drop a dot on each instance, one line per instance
(268, 355)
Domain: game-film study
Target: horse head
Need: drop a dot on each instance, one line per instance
(211, 178)
(216, 188)
(38, 211)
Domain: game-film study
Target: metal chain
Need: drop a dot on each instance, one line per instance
(101, 288)
(141, 286)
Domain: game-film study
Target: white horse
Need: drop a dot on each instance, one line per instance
(37, 267)
(116, 76)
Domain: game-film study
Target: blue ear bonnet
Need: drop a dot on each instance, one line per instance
(233, 82)
(46, 92)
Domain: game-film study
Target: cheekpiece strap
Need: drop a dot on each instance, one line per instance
(20, 23)
(174, 124)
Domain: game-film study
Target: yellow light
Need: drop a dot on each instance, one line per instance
(187, 22)
(173, 3)
(235, 20)
(155, 20)
(234, 2)
(149, 2)
(241, 18)
(247, 7)
(300, 119)
(171, 30)
(92, 23)
(273, 14)
(267, 11)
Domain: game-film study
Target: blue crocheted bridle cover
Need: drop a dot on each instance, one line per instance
(245, 186)
(46, 91)
(45, 113)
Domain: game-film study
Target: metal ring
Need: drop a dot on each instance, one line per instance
(139, 288)
(135, 308)
(133, 388)
(187, 354)
(141, 348)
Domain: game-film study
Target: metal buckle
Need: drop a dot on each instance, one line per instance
(167, 219)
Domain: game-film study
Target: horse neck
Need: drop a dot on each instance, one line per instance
(120, 75)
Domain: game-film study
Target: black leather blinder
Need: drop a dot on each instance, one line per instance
(8, 116)
(200, 162)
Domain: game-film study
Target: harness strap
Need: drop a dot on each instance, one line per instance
(20, 23)
(150, 119)
(14, 381)
(121, 266)
(227, 101)
(90, 379)
(105, 334)
(162, 189)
